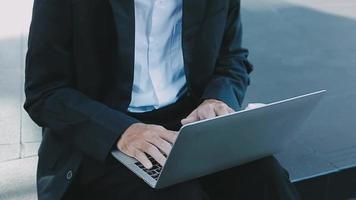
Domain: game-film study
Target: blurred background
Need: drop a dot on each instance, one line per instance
(297, 46)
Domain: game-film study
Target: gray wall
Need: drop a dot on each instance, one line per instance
(19, 137)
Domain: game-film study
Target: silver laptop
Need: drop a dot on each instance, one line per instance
(223, 142)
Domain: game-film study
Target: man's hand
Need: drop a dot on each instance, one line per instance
(141, 139)
(251, 106)
(208, 109)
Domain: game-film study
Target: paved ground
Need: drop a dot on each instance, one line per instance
(297, 46)
(17, 180)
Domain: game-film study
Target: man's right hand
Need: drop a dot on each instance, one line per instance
(141, 139)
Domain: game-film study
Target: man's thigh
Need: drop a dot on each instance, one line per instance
(261, 179)
(120, 183)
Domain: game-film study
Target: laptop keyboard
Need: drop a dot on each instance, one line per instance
(155, 171)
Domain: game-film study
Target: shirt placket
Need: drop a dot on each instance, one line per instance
(152, 53)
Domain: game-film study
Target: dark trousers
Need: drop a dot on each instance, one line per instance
(261, 179)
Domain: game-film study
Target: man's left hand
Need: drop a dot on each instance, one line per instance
(210, 108)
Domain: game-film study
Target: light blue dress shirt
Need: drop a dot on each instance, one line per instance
(159, 77)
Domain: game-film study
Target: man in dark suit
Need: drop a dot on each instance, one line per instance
(126, 74)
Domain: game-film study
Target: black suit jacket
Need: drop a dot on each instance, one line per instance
(79, 75)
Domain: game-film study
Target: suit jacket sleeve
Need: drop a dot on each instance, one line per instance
(51, 100)
(230, 78)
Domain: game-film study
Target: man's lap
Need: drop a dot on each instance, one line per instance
(118, 182)
(257, 180)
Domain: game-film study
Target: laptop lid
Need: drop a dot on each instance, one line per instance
(223, 142)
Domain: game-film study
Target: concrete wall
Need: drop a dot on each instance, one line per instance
(19, 137)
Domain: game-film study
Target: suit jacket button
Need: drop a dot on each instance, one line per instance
(69, 175)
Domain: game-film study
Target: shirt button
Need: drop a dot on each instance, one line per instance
(69, 175)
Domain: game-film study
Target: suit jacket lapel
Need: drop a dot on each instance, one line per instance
(124, 18)
(193, 14)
